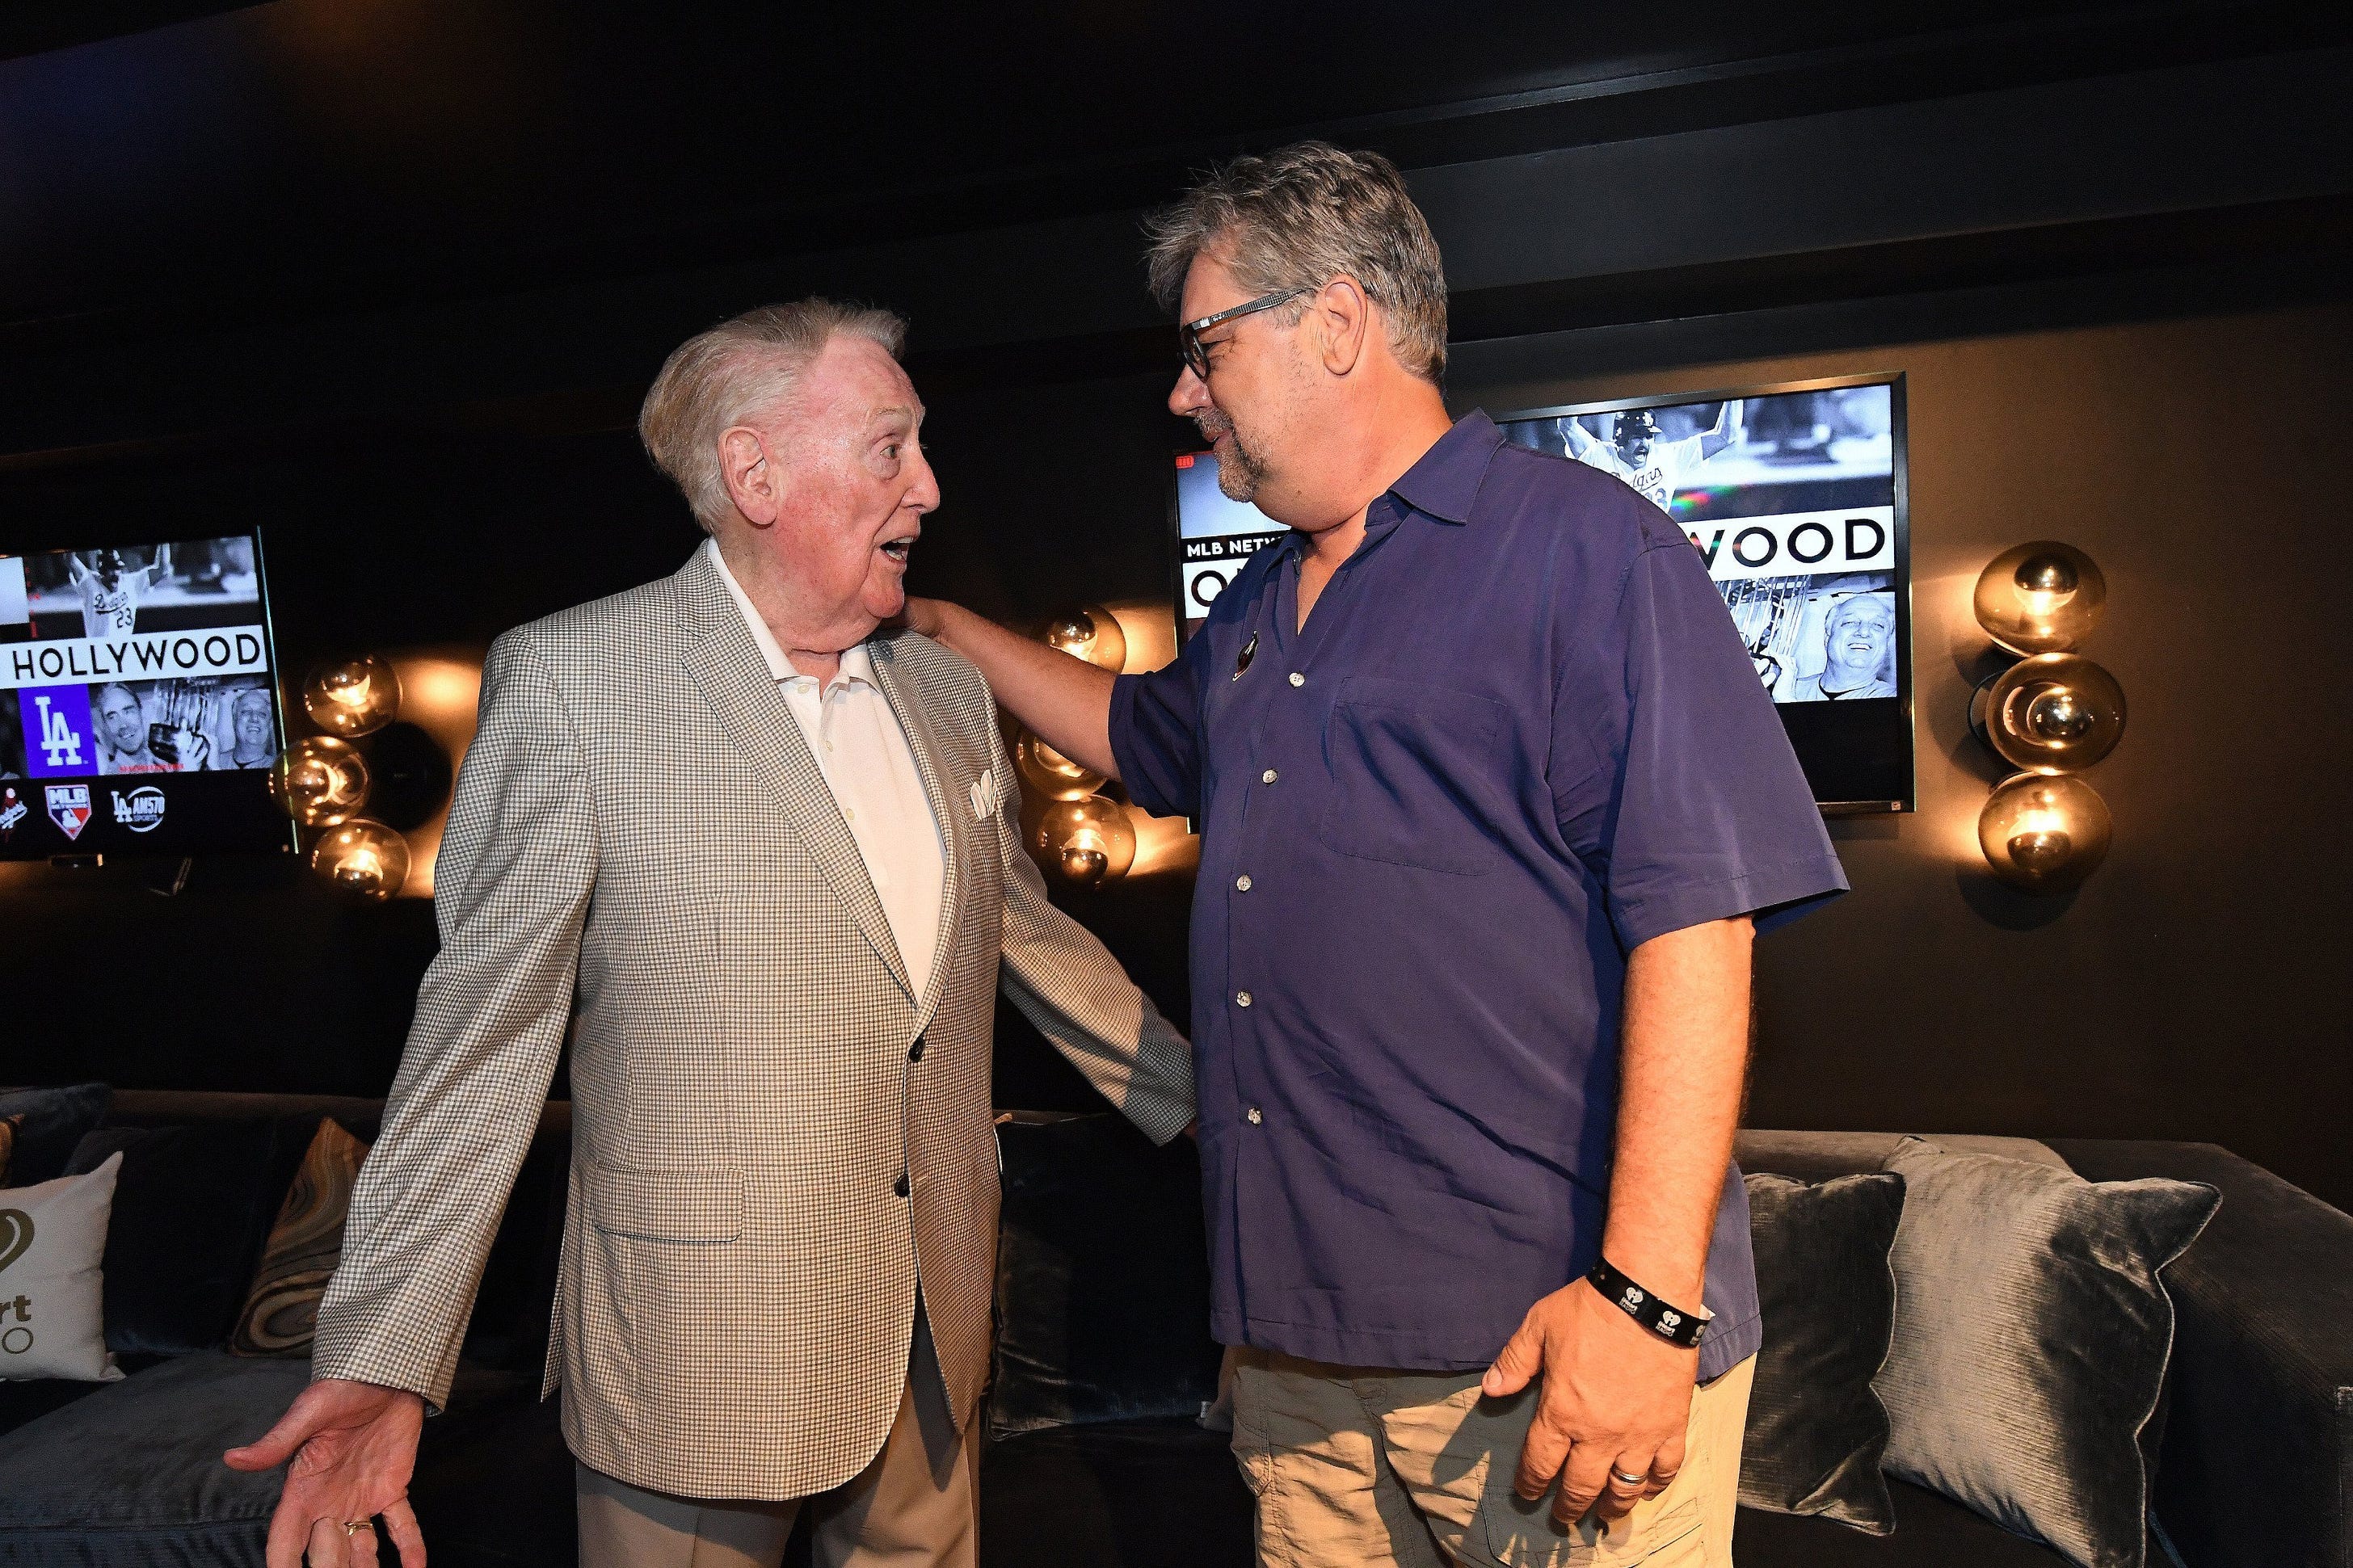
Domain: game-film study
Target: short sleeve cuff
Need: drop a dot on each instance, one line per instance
(1137, 764)
(1774, 895)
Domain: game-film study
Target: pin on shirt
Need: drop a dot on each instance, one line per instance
(1242, 660)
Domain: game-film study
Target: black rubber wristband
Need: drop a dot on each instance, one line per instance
(1664, 1319)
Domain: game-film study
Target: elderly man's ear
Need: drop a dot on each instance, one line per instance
(754, 484)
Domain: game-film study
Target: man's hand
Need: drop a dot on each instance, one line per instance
(353, 1446)
(1616, 1397)
(923, 615)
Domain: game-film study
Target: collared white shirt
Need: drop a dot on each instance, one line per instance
(871, 768)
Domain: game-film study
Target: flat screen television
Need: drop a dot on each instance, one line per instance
(1794, 494)
(139, 704)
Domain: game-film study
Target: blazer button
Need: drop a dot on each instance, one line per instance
(899, 1187)
(915, 1051)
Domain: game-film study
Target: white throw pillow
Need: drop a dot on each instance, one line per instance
(52, 1242)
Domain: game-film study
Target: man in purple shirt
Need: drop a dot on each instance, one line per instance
(1491, 805)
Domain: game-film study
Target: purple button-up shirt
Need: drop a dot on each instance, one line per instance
(1518, 737)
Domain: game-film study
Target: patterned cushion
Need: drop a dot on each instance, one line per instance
(281, 1309)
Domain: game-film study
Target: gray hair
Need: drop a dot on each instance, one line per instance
(736, 370)
(1301, 217)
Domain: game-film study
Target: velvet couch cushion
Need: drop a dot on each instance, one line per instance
(1816, 1430)
(49, 1123)
(2031, 1337)
(191, 1211)
(1103, 1278)
(133, 1473)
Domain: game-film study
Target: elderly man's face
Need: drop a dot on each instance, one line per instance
(1859, 635)
(253, 727)
(126, 726)
(843, 503)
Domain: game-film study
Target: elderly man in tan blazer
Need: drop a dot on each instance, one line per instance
(763, 855)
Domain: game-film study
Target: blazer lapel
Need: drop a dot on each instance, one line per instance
(725, 663)
(955, 829)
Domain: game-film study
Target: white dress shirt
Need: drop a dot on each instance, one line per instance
(871, 768)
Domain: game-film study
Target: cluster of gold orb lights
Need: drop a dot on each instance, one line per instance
(1083, 836)
(2050, 715)
(322, 782)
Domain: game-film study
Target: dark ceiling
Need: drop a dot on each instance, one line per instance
(181, 163)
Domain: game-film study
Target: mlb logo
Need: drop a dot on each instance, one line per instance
(69, 808)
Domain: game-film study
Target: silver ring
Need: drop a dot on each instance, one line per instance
(1618, 1475)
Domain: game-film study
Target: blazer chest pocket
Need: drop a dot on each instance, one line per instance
(704, 1206)
(1415, 772)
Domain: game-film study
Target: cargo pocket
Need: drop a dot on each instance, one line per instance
(1522, 1535)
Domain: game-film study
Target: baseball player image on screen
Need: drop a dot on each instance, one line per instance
(110, 587)
(1634, 453)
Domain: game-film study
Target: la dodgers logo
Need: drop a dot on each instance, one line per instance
(12, 812)
(69, 808)
(61, 743)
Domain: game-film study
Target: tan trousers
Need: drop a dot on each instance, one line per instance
(1366, 1466)
(912, 1508)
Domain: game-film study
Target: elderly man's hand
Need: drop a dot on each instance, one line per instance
(353, 1446)
(1616, 1397)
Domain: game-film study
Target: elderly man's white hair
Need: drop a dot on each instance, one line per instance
(736, 371)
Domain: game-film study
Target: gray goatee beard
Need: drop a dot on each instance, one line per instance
(1239, 474)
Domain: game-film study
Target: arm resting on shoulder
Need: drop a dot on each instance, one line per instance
(1065, 701)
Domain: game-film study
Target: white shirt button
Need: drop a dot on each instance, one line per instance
(1297, 679)
(1241, 998)
(1255, 1116)
(1241, 883)
(1267, 777)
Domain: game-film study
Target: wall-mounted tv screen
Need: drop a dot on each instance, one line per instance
(138, 707)
(1794, 496)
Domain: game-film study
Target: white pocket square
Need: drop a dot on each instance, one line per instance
(986, 795)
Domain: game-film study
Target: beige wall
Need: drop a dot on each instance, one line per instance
(2190, 989)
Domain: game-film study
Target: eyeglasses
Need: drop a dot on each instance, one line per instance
(1188, 335)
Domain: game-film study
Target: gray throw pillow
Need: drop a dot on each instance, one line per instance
(1816, 1430)
(52, 1240)
(2031, 1336)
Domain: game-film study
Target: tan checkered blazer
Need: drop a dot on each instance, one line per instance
(642, 844)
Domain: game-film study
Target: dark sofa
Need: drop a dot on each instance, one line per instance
(1094, 1455)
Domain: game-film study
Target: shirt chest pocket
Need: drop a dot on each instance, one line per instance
(1418, 774)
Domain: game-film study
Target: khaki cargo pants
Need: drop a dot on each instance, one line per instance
(1367, 1466)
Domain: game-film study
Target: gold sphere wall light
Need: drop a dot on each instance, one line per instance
(2044, 833)
(2054, 712)
(1088, 841)
(355, 698)
(363, 857)
(1091, 633)
(320, 781)
(2042, 597)
(1050, 773)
